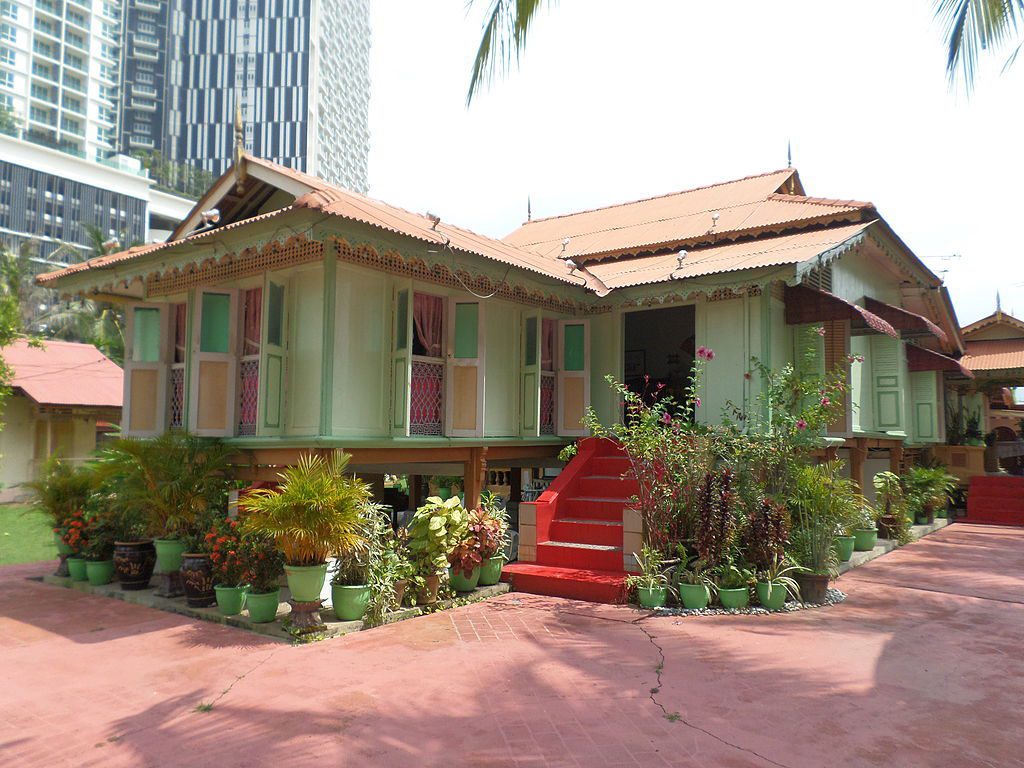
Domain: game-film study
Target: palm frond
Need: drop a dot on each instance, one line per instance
(973, 26)
(505, 29)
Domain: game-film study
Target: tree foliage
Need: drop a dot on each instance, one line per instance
(973, 26)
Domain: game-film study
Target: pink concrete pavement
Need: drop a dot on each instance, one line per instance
(921, 666)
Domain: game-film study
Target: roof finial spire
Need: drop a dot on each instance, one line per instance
(239, 153)
(789, 153)
(529, 209)
(999, 303)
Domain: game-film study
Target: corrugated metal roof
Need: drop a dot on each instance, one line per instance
(994, 355)
(729, 257)
(746, 205)
(65, 373)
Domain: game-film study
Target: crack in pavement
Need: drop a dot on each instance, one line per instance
(676, 717)
(242, 676)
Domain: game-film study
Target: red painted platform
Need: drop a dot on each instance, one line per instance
(575, 583)
(995, 500)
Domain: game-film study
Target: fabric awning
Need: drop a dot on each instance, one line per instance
(904, 319)
(921, 359)
(809, 305)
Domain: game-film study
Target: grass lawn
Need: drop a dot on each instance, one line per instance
(25, 535)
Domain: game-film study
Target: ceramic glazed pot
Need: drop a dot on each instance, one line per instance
(694, 596)
(813, 586)
(844, 547)
(76, 568)
(350, 602)
(734, 598)
(262, 606)
(306, 582)
(490, 571)
(230, 600)
(652, 597)
(197, 580)
(865, 539)
(462, 583)
(772, 596)
(99, 572)
(133, 563)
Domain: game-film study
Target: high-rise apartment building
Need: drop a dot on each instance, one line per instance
(60, 72)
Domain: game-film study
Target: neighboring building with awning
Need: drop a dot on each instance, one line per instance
(63, 395)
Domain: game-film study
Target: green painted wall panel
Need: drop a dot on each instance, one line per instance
(605, 357)
(305, 352)
(146, 335)
(573, 350)
(215, 329)
(467, 330)
(501, 371)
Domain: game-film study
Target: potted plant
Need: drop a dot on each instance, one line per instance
(892, 522)
(493, 532)
(388, 572)
(820, 500)
(774, 583)
(264, 564)
(350, 587)
(928, 490)
(61, 490)
(99, 549)
(444, 486)
(865, 533)
(694, 584)
(229, 565)
(72, 532)
(734, 585)
(651, 584)
(434, 531)
(316, 512)
(172, 479)
(467, 557)
(197, 568)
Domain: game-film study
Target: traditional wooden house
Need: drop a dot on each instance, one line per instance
(285, 314)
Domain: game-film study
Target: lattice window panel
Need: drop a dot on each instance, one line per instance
(248, 396)
(547, 404)
(232, 266)
(426, 397)
(176, 406)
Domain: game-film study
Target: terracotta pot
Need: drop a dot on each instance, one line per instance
(134, 562)
(400, 586)
(429, 594)
(812, 586)
(197, 579)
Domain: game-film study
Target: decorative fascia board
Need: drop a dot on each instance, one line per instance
(711, 288)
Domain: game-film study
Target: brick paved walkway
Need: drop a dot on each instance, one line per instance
(921, 666)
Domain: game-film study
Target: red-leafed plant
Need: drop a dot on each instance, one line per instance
(264, 563)
(490, 525)
(227, 553)
(767, 534)
(73, 531)
(716, 526)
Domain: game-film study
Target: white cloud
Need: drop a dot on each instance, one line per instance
(616, 101)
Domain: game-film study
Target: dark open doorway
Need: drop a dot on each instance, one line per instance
(659, 349)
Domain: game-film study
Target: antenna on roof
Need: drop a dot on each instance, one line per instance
(529, 210)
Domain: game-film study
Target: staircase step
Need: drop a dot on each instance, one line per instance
(609, 465)
(592, 508)
(587, 531)
(607, 486)
(569, 554)
(577, 583)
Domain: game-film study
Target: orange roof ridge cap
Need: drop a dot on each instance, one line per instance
(821, 200)
(661, 196)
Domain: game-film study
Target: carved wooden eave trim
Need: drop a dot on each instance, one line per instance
(393, 262)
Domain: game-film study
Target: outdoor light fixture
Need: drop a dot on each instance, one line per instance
(434, 219)
(680, 258)
(210, 217)
(113, 242)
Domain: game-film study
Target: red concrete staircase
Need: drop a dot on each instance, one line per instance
(579, 529)
(995, 500)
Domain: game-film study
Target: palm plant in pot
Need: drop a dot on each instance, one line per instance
(61, 490)
(651, 584)
(928, 491)
(820, 500)
(492, 527)
(174, 480)
(435, 530)
(889, 494)
(316, 512)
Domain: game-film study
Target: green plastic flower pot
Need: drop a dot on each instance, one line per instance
(490, 571)
(230, 600)
(734, 598)
(771, 595)
(844, 547)
(306, 582)
(922, 520)
(350, 602)
(76, 568)
(459, 581)
(652, 597)
(694, 596)
(168, 554)
(444, 493)
(99, 572)
(865, 539)
(262, 606)
(62, 548)
(942, 514)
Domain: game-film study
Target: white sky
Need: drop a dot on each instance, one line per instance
(619, 100)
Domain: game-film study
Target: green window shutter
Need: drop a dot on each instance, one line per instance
(885, 379)
(808, 350)
(146, 335)
(467, 330)
(214, 335)
(574, 350)
(924, 395)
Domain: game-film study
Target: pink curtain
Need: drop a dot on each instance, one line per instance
(547, 344)
(253, 319)
(179, 333)
(428, 320)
